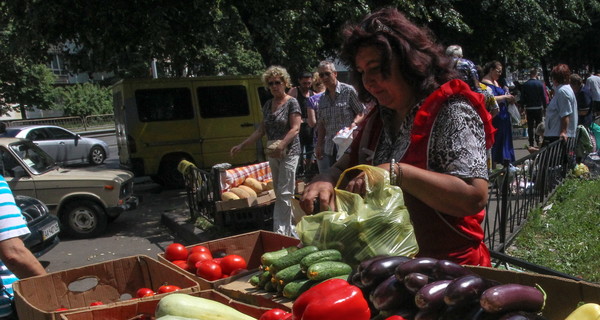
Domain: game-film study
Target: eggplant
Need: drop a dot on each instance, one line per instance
(390, 294)
(381, 269)
(521, 316)
(512, 297)
(428, 315)
(448, 270)
(420, 265)
(465, 312)
(431, 296)
(366, 263)
(415, 281)
(465, 290)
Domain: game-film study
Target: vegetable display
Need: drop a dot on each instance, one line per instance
(200, 261)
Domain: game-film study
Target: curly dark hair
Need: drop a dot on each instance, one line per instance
(561, 73)
(423, 64)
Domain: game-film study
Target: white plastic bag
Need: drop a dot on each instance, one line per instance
(515, 115)
(343, 139)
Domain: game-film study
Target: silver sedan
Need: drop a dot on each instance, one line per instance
(63, 145)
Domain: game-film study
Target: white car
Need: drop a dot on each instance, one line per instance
(64, 146)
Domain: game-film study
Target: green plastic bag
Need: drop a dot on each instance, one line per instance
(361, 227)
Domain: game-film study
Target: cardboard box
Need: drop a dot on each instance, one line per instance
(111, 282)
(563, 295)
(142, 309)
(240, 289)
(249, 246)
(262, 198)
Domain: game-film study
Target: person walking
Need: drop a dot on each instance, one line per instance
(584, 101)
(302, 93)
(533, 99)
(592, 84)
(465, 67)
(339, 108)
(281, 123)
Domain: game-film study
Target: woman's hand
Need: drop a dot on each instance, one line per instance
(358, 185)
(235, 150)
(322, 192)
(278, 153)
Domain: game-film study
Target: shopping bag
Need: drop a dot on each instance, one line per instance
(343, 139)
(515, 115)
(361, 227)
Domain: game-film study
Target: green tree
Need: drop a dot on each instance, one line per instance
(24, 82)
(84, 100)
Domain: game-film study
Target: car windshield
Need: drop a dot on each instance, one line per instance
(35, 158)
(10, 132)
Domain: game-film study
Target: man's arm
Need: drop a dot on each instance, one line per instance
(18, 259)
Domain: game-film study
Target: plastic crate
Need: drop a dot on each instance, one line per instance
(246, 219)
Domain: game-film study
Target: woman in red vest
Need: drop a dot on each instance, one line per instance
(429, 129)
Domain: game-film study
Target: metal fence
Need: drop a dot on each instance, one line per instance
(77, 124)
(518, 189)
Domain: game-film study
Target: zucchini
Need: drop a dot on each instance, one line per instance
(291, 259)
(184, 305)
(320, 256)
(288, 274)
(295, 288)
(327, 269)
(268, 258)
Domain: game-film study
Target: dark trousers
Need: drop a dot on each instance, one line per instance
(534, 118)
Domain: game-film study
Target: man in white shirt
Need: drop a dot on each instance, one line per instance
(592, 84)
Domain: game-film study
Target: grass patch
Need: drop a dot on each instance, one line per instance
(565, 235)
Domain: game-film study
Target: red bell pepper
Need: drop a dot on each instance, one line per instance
(276, 314)
(332, 299)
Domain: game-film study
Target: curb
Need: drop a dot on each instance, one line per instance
(178, 223)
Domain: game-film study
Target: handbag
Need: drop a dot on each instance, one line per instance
(515, 115)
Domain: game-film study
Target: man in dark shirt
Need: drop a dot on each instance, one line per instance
(533, 99)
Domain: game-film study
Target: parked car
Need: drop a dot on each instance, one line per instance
(43, 226)
(61, 144)
(83, 199)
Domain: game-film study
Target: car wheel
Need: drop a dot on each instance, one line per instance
(97, 155)
(83, 219)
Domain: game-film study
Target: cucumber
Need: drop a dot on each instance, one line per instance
(343, 277)
(270, 287)
(295, 288)
(327, 269)
(268, 258)
(264, 278)
(291, 259)
(288, 274)
(254, 280)
(320, 256)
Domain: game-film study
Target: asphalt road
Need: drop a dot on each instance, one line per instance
(135, 232)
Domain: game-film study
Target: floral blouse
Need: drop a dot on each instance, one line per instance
(277, 124)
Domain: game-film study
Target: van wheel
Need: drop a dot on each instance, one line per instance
(83, 219)
(168, 176)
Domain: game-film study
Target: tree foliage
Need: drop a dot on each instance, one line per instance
(201, 37)
(84, 100)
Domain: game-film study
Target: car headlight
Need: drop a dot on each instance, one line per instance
(31, 208)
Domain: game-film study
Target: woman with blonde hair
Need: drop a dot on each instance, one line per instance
(281, 123)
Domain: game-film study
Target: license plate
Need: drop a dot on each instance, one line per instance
(50, 230)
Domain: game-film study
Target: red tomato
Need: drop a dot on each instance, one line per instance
(144, 292)
(199, 249)
(209, 270)
(395, 318)
(217, 260)
(275, 314)
(182, 264)
(167, 288)
(176, 251)
(96, 303)
(232, 262)
(194, 258)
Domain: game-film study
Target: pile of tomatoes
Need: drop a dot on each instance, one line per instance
(200, 261)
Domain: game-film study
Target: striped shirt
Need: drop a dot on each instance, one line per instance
(339, 113)
(12, 224)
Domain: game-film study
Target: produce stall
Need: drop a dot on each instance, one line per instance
(263, 275)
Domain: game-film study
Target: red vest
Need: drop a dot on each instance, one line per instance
(441, 236)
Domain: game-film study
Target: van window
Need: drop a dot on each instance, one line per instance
(223, 101)
(164, 104)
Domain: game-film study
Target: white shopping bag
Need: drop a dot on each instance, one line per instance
(343, 139)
